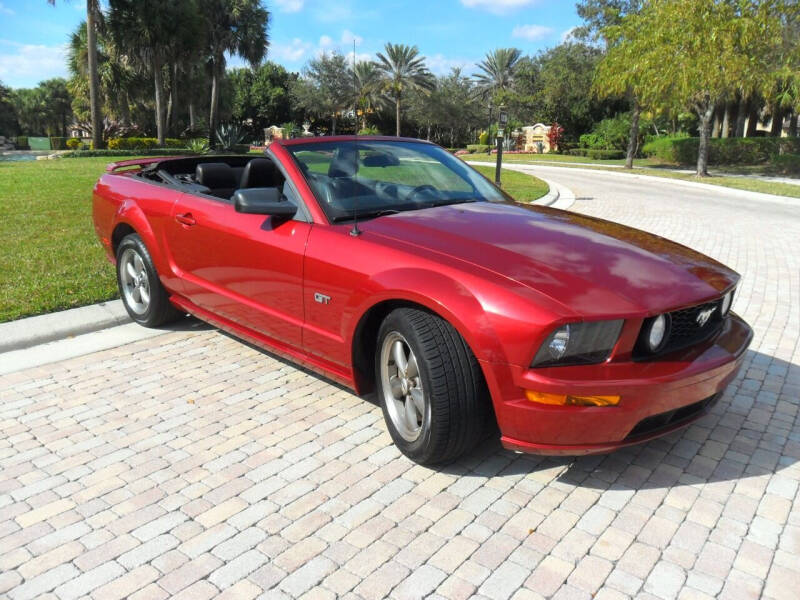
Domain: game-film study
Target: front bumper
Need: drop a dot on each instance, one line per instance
(656, 397)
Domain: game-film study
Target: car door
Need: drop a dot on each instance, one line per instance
(244, 267)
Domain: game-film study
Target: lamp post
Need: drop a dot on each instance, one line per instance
(502, 121)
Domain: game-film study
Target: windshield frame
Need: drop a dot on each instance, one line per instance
(340, 217)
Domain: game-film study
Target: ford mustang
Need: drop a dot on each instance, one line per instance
(389, 265)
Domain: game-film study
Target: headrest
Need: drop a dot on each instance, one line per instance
(345, 163)
(215, 175)
(259, 172)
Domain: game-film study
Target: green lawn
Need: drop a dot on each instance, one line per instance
(658, 169)
(50, 259)
(521, 186)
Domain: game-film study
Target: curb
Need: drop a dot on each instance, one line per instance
(32, 331)
(559, 196)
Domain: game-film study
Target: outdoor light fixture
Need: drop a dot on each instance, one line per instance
(502, 121)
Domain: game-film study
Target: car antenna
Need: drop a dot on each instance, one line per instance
(355, 231)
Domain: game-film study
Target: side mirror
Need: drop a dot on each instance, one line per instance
(263, 201)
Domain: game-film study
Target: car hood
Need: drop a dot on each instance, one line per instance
(591, 266)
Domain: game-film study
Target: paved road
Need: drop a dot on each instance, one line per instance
(189, 464)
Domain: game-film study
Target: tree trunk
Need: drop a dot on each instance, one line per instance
(777, 123)
(726, 121)
(161, 117)
(752, 119)
(212, 117)
(741, 115)
(706, 113)
(717, 124)
(94, 82)
(793, 125)
(633, 138)
(192, 122)
(333, 124)
(397, 114)
(172, 113)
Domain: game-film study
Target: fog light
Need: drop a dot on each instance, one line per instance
(657, 333)
(570, 400)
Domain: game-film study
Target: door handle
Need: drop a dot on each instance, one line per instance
(185, 219)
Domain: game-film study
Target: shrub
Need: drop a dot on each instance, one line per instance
(22, 142)
(73, 143)
(597, 153)
(477, 148)
(150, 152)
(786, 164)
(229, 135)
(198, 145)
(371, 130)
(483, 139)
(142, 143)
(722, 151)
(58, 143)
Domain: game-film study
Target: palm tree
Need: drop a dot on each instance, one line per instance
(149, 33)
(92, 17)
(236, 27)
(403, 70)
(368, 83)
(498, 70)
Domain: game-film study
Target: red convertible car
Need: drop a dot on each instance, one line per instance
(389, 265)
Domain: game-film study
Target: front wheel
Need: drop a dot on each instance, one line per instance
(145, 299)
(434, 398)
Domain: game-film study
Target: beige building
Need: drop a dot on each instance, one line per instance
(535, 138)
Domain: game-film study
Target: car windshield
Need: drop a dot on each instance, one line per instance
(384, 177)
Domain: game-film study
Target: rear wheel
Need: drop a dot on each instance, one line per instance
(434, 398)
(145, 299)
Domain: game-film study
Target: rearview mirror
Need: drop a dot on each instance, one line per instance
(263, 201)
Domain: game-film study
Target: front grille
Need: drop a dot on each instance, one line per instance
(684, 330)
(665, 420)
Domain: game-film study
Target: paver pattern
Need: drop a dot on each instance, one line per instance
(193, 466)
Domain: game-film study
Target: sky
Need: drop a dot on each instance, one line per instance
(450, 33)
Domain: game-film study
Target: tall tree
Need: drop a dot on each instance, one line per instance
(325, 89)
(403, 71)
(697, 54)
(234, 27)
(261, 95)
(93, 15)
(368, 88)
(150, 33)
(498, 71)
(8, 116)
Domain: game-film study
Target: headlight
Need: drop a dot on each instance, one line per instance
(657, 333)
(727, 300)
(578, 344)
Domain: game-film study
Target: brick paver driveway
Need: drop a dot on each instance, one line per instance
(191, 464)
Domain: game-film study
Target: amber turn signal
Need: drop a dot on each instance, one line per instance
(570, 400)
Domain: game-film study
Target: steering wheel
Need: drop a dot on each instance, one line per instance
(425, 188)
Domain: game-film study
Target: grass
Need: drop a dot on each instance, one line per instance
(51, 259)
(656, 168)
(521, 186)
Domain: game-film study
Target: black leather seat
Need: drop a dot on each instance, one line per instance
(220, 178)
(342, 170)
(260, 172)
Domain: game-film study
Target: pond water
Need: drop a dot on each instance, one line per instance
(19, 156)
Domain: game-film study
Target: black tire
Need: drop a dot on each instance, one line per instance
(158, 310)
(457, 402)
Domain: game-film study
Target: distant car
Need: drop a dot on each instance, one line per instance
(387, 264)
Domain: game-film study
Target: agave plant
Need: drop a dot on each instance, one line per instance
(229, 135)
(198, 145)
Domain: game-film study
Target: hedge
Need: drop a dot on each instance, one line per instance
(787, 164)
(722, 151)
(477, 148)
(142, 143)
(597, 153)
(147, 152)
(21, 142)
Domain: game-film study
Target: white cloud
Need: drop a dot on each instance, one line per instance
(5, 10)
(531, 32)
(568, 35)
(289, 6)
(438, 64)
(325, 42)
(348, 37)
(498, 7)
(25, 65)
(292, 52)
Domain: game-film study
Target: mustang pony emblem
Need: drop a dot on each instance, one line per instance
(704, 315)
